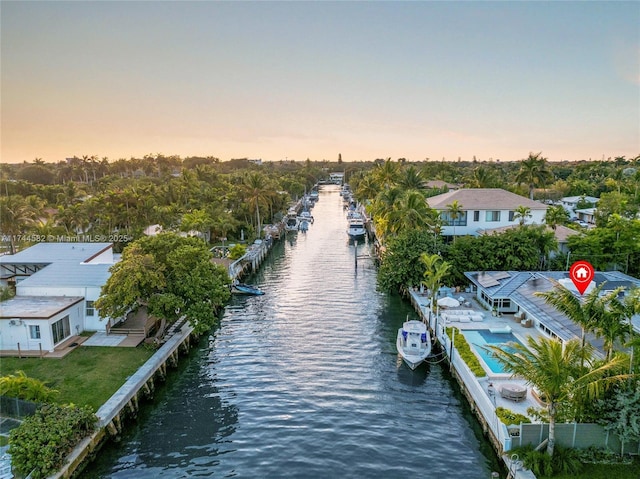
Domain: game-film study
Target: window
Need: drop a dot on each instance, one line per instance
(60, 330)
(90, 308)
(511, 215)
(476, 216)
(493, 216)
(34, 331)
(461, 220)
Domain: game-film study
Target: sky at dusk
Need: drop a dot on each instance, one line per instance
(298, 80)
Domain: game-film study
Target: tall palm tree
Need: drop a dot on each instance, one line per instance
(258, 193)
(561, 372)
(386, 174)
(533, 172)
(411, 178)
(454, 210)
(435, 271)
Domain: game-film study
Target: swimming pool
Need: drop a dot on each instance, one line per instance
(481, 337)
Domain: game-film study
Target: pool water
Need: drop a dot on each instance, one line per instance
(481, 337)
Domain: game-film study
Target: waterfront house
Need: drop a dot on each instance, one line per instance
(482, 209)
(513, 293)
(56, 286)
(561, 234)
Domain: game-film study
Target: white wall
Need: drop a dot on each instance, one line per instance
(10, 336)
(472, 227)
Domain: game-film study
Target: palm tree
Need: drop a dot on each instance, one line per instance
(559, 372)
(593, 314)
(627, 309)
(410, 211)
(435, 270)
(386, 174)
(533, 172)
(556, 215)
(16, 215)
(522, 213)
(258, 193)
(454, 210)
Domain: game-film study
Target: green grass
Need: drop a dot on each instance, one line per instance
(88, 375)
(605, 471)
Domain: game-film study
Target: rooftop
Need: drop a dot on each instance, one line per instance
(36, 307)
(483, 199)
(46, 253)
(70, 274)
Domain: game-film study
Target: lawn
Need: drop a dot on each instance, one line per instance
(89, 375)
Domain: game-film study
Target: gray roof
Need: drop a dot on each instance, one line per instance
(67, 274)
(36, 307)
(521, 286)
(483, 199)
(45, 253)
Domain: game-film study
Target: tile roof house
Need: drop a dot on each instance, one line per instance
(56, 287)
(482, 209)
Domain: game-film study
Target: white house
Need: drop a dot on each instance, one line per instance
(56, 287)
(514, 292)
(570, 203)
(483, 209)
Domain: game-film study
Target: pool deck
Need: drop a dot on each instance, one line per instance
(488, 386)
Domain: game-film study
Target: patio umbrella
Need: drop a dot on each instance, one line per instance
(448, 302)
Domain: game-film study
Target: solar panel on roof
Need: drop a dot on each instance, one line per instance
(500, 275)
(487, 281)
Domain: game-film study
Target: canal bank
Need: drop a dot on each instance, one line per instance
(481, 396)
(121, 409)
(305, 382)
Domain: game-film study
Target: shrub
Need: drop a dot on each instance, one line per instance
(508, 417)
(467, 355)
(237, 251)
(22, 387)
(41, 443)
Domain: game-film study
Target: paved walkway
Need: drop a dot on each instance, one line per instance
(103, 339)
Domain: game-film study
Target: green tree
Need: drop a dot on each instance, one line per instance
(556, 215)
(22, 387)
(16, 216)
(170, 275)
(258, 193)
(436, 269)
(533, 172)
(454, 211)
(560, 371)
(522, 214)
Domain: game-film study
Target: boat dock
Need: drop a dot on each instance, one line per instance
(483, 394)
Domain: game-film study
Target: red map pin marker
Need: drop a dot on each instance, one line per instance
(581, 273)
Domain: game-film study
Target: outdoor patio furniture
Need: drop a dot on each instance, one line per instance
(513, 392)
(526, 323)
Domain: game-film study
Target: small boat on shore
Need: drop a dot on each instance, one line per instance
(243, 288)
(356, 228)
(413, 343)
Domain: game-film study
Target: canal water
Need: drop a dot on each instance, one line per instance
(305, 382)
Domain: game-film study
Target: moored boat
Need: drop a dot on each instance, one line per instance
(356, 228)
(413, 343)
(243, 288)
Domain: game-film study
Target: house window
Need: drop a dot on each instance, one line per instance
(476, 216)
(511, 215)
(34, 331)
(461, 220)
(493, 216)
(60, 330)
(90, 309)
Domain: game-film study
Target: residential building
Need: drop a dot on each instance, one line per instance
(56, 285)
(514, 292)
(483, 209)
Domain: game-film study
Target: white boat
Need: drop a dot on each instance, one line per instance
(291, 222)
(413, 343)
(356, 229)
(306, 216)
